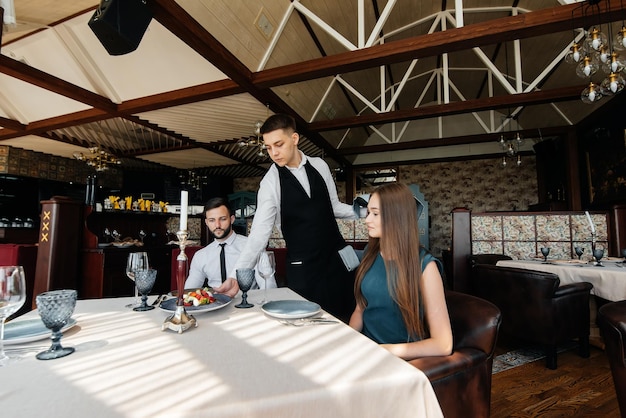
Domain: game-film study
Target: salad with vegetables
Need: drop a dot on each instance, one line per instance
(198, 297)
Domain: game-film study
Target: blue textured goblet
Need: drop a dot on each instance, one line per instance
(579, 251)
(545, 251)
(245, 278)
(144, 280)
(624, 254)
(56, 308)
(598, 253)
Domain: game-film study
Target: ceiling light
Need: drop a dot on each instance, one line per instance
(591, 94)
(99, 159)
(587, 67)
(613, 84)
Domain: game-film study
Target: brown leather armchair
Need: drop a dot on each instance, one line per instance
(462, 380)
(612, 323)
(535, 308)
(487, 258)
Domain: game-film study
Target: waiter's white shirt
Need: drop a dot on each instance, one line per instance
(268, 207)
(206, 264)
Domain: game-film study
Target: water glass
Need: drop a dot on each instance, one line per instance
(12, 297)
(144, 281)
(56, 308)
(245, 278)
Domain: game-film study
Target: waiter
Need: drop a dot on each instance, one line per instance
(299, 197)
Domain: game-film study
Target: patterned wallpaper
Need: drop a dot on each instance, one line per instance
(479, 185)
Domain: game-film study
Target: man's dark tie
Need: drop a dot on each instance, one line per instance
(223, 262)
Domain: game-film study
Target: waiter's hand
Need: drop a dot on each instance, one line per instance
(230, 287)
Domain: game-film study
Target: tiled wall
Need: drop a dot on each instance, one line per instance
(479, 185)
(521, 236)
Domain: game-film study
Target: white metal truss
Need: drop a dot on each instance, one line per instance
(388, 96)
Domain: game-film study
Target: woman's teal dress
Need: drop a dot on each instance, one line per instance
(382, 320)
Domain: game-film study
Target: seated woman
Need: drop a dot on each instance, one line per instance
(399, 290)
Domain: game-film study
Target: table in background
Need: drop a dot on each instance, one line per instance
(609, 282)
(237, 363)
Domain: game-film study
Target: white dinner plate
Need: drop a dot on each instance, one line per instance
(221, 300)
(291, 309)
(27, 330)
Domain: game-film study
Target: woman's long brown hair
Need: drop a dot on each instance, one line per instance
(399, 243)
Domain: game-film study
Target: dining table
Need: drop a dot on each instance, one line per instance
(235, 363)
(608, 280)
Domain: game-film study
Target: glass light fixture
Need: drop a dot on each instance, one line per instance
(587, 67)
(615, 64)
(595, 39)
(619, 43)
(613, 84)
(575, 54)
(605, 54)
(99, 159)
(591, 94)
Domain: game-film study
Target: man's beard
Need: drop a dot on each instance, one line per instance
(225, 234)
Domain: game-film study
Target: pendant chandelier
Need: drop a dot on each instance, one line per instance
(593, 51)
(255, 141)
(99, 159)
(510, 144)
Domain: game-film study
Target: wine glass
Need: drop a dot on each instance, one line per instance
(136, 261)
(245, 278)
(598, 253)
(266, 268)
(579, 251)
(624, 254)
(144, 281)
(55, 308)
(545, 251)
(12, 297)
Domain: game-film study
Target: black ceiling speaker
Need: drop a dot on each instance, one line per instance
(120, 24)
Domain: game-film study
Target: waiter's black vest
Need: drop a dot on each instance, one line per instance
(314, 268)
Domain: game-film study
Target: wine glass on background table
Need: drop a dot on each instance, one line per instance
(136, 261)
(12, 297)
(598, 253)
(545, 251)
(579, 251)
(624, 254)
(267, 269)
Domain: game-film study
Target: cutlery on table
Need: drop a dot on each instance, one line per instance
(158, 300)
(307, 321)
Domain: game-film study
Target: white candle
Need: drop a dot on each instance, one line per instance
(183, 210)
(593, 228)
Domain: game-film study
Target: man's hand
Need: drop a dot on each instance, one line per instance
(230, 287)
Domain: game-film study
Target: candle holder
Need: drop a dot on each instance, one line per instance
(180, 320)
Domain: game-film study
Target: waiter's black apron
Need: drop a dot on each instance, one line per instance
(314, 267)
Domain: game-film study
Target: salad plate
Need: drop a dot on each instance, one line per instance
(291, 309)
(27, 330)
(221, 300)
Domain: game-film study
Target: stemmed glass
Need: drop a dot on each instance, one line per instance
(55, 308)
(579, 251)
(144, 281)
(266, 268)
(12, 297)
(245, 278)
(136, 261)
(598, 253)
(545, 251)
(624, 254)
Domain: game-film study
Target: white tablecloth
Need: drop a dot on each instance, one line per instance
(237, 363)
(609, 282)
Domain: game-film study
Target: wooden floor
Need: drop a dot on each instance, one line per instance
(579, 387)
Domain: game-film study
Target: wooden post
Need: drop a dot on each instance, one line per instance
(59, 238)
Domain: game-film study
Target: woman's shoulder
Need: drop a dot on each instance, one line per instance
(426, 257)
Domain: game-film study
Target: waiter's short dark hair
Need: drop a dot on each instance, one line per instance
(278, 121)
(216, 202)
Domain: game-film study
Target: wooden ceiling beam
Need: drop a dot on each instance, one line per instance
(57, 85)
(176, 19)
(457, 140)
(491, 32)
(475, 105)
